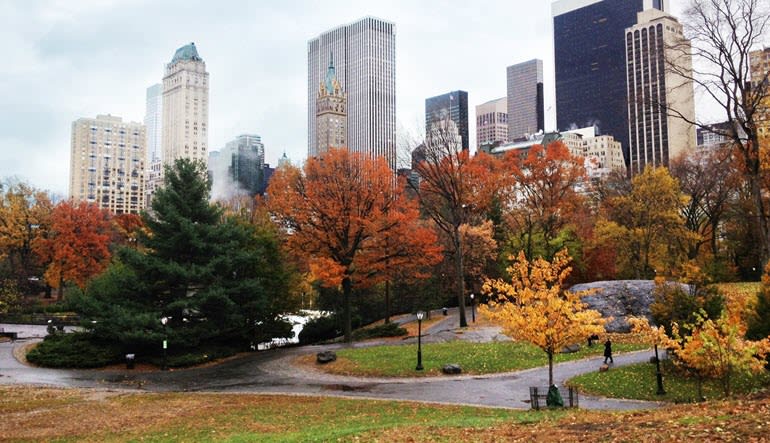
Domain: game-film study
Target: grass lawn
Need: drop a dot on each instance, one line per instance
(474, 358)
(44, 414)
(638, 382)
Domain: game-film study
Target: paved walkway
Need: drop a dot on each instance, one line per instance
(275, 371)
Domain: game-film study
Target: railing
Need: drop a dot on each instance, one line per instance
(539, 396)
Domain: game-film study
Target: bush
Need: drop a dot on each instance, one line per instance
(77, 350)
(319, 329)
(384, 330)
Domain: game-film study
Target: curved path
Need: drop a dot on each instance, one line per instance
(274, 372)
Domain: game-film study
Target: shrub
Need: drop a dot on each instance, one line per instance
(383, 330)
(319, 329)
(77, 350)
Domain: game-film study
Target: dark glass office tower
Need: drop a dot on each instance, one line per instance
(590, 63)
(452, 104)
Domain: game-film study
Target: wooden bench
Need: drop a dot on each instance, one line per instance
(11, 335)
(538, 397)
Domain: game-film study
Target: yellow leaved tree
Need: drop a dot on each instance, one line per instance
(535, 307)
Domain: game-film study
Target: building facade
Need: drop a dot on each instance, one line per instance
(107, 163)
(492, 122)
(153, 121)
(185, 107)
(589, 56)
(526, 113)
(606, 150)
(245, 159)
(760, 78)
(452, 106)
(365, 62)
(331, 113)
(655, 135)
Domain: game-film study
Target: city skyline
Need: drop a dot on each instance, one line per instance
(67, 61)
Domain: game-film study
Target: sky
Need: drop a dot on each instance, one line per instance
(67, 59)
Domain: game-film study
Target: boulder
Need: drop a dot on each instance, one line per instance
(452, 369)
(324, 357)
(570, 349)
(620, 299)
(604, 368)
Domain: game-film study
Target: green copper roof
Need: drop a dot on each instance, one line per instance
(330, 75)
(186, 52)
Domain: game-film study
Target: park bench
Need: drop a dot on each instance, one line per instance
(9, 334)
(538, 396)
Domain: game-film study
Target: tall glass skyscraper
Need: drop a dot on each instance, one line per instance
(365, 62)
(590, 63)
(453, 106)
(153, 121)
(526, 114)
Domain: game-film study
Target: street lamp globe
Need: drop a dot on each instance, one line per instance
(420, 315)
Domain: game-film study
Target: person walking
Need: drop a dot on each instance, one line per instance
(608, 351)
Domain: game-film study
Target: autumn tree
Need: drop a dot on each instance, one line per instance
(345, 212)
(536, 308)
(759, 321)
(717, 349)
(25, 214)
(645, 225)
(480, 251)
(722, 34)
(453, 188)
(542, 194)
(76, 248)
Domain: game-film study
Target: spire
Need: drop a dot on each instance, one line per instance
(331, 75)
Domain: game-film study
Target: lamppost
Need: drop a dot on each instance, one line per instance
(473, 308)
(164, 321)
(658, 374)
(420, 315)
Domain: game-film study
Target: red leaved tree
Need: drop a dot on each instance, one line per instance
(346, 214)
(76, 247)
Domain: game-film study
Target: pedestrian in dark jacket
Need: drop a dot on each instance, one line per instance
(608, 351)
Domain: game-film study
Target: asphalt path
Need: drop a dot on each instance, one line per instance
(276, 371)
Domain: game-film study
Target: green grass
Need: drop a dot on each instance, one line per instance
(638, 382)
(474, 358)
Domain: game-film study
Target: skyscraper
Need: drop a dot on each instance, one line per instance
(589, 55)
(153, 121)
(365, 62)
(107, 163)
(453, 106)
(526, 114)
(655, 135)
(492, 122)
(331, 113)
(245, 157)
(185, 107)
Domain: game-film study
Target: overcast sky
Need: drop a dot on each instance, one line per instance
(66, 59)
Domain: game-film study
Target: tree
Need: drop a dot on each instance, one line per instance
(717, 349)
(534, 306)
(220, 281)
(77, 245)
(759, 322)
(722, 34)
(345, 212)
(645, 225)
(25, 214)
(541, 193)
(480, 251)
(452, 188)
(654, 335)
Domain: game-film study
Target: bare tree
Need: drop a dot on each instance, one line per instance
(722, 35)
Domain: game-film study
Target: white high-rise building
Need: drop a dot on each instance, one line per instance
(185, 107)
(492, 122)
(365, 60)
(153, 121)
(655, 136)
(107, 163)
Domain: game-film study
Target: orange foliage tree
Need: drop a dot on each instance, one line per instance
(534, 306)
(542, 193)
(453, 187)
(345, 212)
(77, 245)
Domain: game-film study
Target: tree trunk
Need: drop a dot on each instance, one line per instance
(761, 219)
(460, 278)
(346, 292)
(387, 301)
(550, 368)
